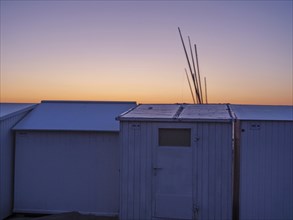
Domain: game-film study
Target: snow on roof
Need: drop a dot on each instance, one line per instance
(184, 112)
(206, 112)
(75, 116)
(11, 109)
(263, 112)
(156, 111)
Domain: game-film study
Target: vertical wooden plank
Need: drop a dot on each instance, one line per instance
(266, 167)
(236, 170)
(145, 171)
(138, 147)
(195, 164)
(214, 156)
(139, 171)
(136, 167)
(289, 129)
(285, 169)
(211, 164)
(219, 181)
(142, 173)
(266, 171)
(205, 137)
(7, 163)
(130, 182)
(227, 169)
(245, 167)
(121, 170)
(243, 172)
(199, 168)
(149, 169)
(273, 168)
(287, 211)
(124, 172)
(150, 189)
(152, 154)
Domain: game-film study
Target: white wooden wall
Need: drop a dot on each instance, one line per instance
(212, 147)
(6, 163)
(213, 159)
(67, 171)
(136, 170)
(266, 170)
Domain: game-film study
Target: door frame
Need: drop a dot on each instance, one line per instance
(155, 142)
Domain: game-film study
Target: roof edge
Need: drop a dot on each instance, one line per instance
(173, 120)
(62, 130)
(119, 117)
(90, 102)
(28, 108)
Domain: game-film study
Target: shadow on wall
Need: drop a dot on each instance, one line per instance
(62, 216)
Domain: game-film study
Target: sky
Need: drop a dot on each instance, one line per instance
(131, 50)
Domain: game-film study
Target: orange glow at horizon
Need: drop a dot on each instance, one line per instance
(245, 51)
(140, 95)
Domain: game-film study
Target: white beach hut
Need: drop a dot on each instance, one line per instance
(10, 114)
(264, 162)
(67, 158)
(176, 162)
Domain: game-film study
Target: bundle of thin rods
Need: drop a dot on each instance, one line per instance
(196, 89)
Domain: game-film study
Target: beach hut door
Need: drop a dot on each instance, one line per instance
(173, 174)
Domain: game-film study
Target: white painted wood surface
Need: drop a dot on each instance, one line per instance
(136, 171)
(12, 114)
(64, 171)
(211, 165)
(266, 170)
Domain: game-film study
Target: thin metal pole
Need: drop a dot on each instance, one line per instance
(198, 69)
(185, 50)
(195, 75)
(189, 86)
(206, 90)
(187, 59)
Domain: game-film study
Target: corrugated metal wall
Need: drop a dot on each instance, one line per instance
(212, 147)
(66, 171)
(136, 170)
(213, 160)
(7, 163)
(266, 170)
